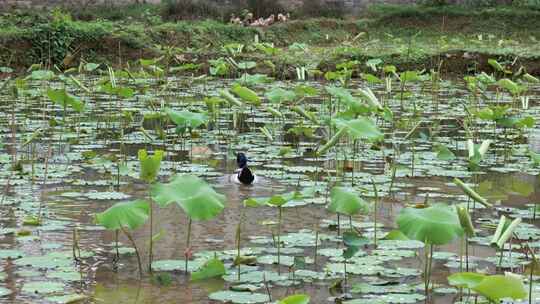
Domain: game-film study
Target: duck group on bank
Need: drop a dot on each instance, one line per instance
(249, 20)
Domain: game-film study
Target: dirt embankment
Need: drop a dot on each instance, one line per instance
(199, 42)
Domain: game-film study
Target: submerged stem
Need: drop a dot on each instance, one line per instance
(238, 240)
(117, 258)
(128, 235)
(187, 244)
(428, 254)
(279, 241)
(533, 266)
(150, 250)
(375, 212)
(316, 247)
(338, 225)
(394, 171)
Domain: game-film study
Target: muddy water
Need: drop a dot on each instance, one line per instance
(219, 234)
(107, 285)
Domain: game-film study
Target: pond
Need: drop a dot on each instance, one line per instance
(70, 165)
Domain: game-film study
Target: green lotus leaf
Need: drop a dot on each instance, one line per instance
(535, 158)
(511, 86)
(443, 153)
(64, 99)
(11, 254)
(149, 165)
(362, 128)
(437, 225)
(255, 202)
(295, 299)
(466, 279)
(239, 297)
(44, 262)
(198, 199)
(178, 265)
(131, 214)
(465, 220)
(67, 299)
(277, 200)
(230, 98)
(409, 76)
(246, 94)
(370, 78)
(247, 65)
(187, 119)
(395, 235)
(279, 95)
(471, 193)
(346, 201)
(253, 80)
(212, 268)
(90, 66)
(494, 287)
(41, 75)
(350, 252)
(351, 238)
(332, 141)
(45, 287)
(65, 275)
(498, 287)
(5, 291)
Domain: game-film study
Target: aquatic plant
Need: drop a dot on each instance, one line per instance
(504, 233)
(468, 229)
(149, 170)
(186, 121)
(435, 225)
(211, 269)
(295, 299)
(493, 287)
(277, 201)
(125, 216)
(197, 199)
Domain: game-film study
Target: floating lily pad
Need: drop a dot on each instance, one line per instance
(254, 277)
(177, 265)
(44, 262)
(65, 275)
(239, 297)
(11, 254)
(107, 195)
(5, 292)
(67, 299)
(45, 287)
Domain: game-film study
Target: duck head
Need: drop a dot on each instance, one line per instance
(241, 160)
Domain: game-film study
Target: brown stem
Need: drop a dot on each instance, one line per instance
(151, 249)
(187, 243)
(279, 242)
(47, 157)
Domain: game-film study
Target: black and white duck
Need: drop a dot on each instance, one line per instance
(243, 174)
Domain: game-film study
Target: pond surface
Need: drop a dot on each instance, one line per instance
(71, 172)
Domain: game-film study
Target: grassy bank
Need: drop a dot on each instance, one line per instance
(407, 36)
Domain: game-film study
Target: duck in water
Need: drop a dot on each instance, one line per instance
(244, 175)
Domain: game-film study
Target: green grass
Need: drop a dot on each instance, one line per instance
(498, 19)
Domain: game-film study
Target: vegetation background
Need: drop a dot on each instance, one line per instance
(414, 35)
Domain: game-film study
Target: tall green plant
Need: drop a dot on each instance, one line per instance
(493, 287)
(435, 225)
(148, 173)
(199, 201)
(126, 216)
